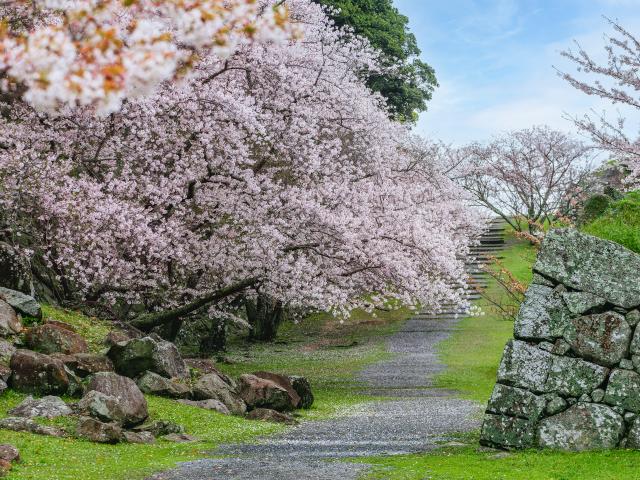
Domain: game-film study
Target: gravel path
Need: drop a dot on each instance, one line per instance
(417, 418)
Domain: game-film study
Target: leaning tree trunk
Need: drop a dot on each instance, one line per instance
(265, 316)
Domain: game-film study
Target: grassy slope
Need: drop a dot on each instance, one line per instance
(472, 356)
(327, 352)
(620, 222)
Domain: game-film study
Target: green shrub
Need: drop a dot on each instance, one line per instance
(620, 222)
(594, 207)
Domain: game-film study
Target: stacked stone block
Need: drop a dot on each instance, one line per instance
(569, 379)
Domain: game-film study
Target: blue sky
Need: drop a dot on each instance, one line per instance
(495, 60)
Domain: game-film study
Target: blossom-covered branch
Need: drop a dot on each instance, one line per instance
(98, 52)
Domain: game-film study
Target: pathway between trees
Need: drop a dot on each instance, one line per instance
(417, 418)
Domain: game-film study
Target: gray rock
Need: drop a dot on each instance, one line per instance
(105, 408)
(584, 398)
(134, 357)
(633, 437)
(585, 426)
(581, 302)
(160, 428)
(629, 417)
(525, 366)
(6, 352)
(212, 386)
(211, 404)
(97, 431)
(590, 264)
(555, 405)
(76, 388)
(47, 407)
(542, 315)
(515, 402)
(268, 415)
(283, 382)
(38, 373)
(85, 364)
(129, 396)
(15, 270)
(546, 346)
(597, 395)
(633, 317)
(561, 347)
(602, 338)
(540, 280)
(574, 376)
(10, 323)
(623, 390)
(634, 348)
(507, 432)
(262, 393)
(626, 364)
(302, 386)
(154, 384)
(138, 437)
(21, 424)
(21, 302)
(3, 386)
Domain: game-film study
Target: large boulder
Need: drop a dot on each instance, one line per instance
(602, 338)
(51, 338)
(134, 357)
(21, 302)
(579, 303)
(38, 373)
(10, 323)
(85, 364)
(97, 431)
(592, 265)
(131, 399)
(585, 426)
(15, 270)
(212, 386)
(262, 393)
(623, 390)
(573, 376)
(303, 388)
(516, 402)
(105, 408)
(155, 384)
(284, 382)
(507, 432)
(543, 315)
(524, 366)
(7, 350)
(47, 407)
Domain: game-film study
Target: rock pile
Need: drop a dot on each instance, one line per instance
(570, 378)
(111, 386)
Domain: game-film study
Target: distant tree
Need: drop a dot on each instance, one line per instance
(408, 83)
(617, 81)
(527, 176)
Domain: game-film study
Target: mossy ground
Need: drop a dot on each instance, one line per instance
(472, 355)
(620, 222)
(329, 353)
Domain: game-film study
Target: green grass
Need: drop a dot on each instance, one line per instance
(620, 222)
(472, 355)
(329, 353)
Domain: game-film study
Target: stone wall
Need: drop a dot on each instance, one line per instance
(569, 379)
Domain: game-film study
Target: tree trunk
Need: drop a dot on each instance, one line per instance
(265, 316)
(147, 321)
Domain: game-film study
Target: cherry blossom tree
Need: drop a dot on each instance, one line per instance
(526, 175)
(273, 172)
(616, 81)
(99, 52)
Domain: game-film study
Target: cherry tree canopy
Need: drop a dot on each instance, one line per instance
(617, 81)
(98, 52)
(275, 169)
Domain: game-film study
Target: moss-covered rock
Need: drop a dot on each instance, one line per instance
(623, 390)
(602, 338)
(543, 314)
(516, 402)
(585, 426)
(507, 432)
